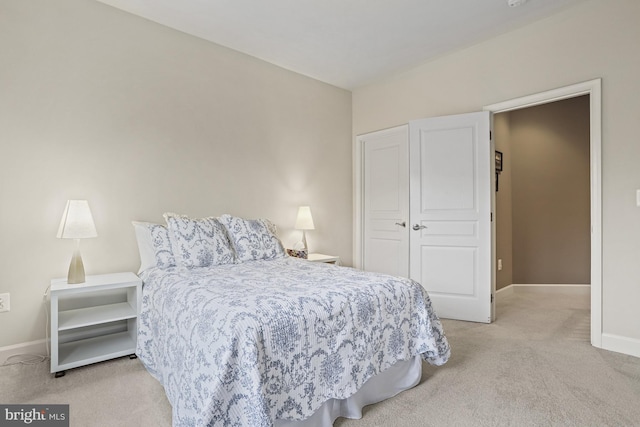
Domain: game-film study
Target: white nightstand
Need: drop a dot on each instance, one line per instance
(93, 321)
(331, 259)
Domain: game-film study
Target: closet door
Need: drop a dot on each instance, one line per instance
(450, 209)
(385, 166)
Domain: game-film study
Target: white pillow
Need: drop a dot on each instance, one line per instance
(199, 242)
(253, 239)
(154, 246)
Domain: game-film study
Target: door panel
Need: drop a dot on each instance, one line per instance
(386, 201)
(384, 178)
(436, 261)
(450, 209)
(447, 156)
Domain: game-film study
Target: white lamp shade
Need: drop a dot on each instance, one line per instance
(304, 220)
(77, 222)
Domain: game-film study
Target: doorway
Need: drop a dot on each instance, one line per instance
(593, 90)
(542, 196)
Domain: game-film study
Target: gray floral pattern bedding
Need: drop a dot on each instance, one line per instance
(245, 344)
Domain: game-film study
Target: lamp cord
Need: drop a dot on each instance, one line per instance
(34, 359)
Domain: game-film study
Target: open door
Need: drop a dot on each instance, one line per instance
(450, 188)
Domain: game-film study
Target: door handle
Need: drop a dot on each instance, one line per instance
(419, 227)
(401, 224)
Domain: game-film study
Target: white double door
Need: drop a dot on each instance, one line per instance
(427, 202)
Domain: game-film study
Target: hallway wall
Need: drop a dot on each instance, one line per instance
(546, 171)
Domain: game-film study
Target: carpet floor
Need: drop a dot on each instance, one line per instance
(534, 366)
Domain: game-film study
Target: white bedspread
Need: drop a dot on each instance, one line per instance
(246, 344)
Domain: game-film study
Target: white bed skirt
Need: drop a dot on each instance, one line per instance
(400, 377)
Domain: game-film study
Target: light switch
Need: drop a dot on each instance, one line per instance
(638, 198)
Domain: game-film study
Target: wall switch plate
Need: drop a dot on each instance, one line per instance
(638, 198)
(499, 264)
(5, 302)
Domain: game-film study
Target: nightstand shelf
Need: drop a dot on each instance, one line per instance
(93, 321)
(91, 350)
(81, 317)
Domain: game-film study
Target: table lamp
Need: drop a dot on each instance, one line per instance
(77, 223)
(304, 222)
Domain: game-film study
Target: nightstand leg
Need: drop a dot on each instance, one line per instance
(60, 374)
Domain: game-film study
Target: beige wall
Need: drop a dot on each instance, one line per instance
(595, 39)
(140, 119)
(550, 193)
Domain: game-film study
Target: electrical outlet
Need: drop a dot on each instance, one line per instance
(5, 302)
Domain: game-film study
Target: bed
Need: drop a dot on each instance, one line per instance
(241, 334)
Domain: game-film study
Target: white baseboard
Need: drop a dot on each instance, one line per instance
(624, 345)
(38, 347)
(556, 289)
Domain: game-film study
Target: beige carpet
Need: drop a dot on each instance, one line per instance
(533, 367)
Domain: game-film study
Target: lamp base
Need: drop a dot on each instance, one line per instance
(76, 269)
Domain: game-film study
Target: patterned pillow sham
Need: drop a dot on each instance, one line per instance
(154, 245)
(253, 239)
(199, 242)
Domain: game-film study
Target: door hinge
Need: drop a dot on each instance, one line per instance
(491, 298)
(490, 135)
(491, 216)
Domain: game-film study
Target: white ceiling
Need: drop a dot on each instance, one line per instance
(347, 43)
